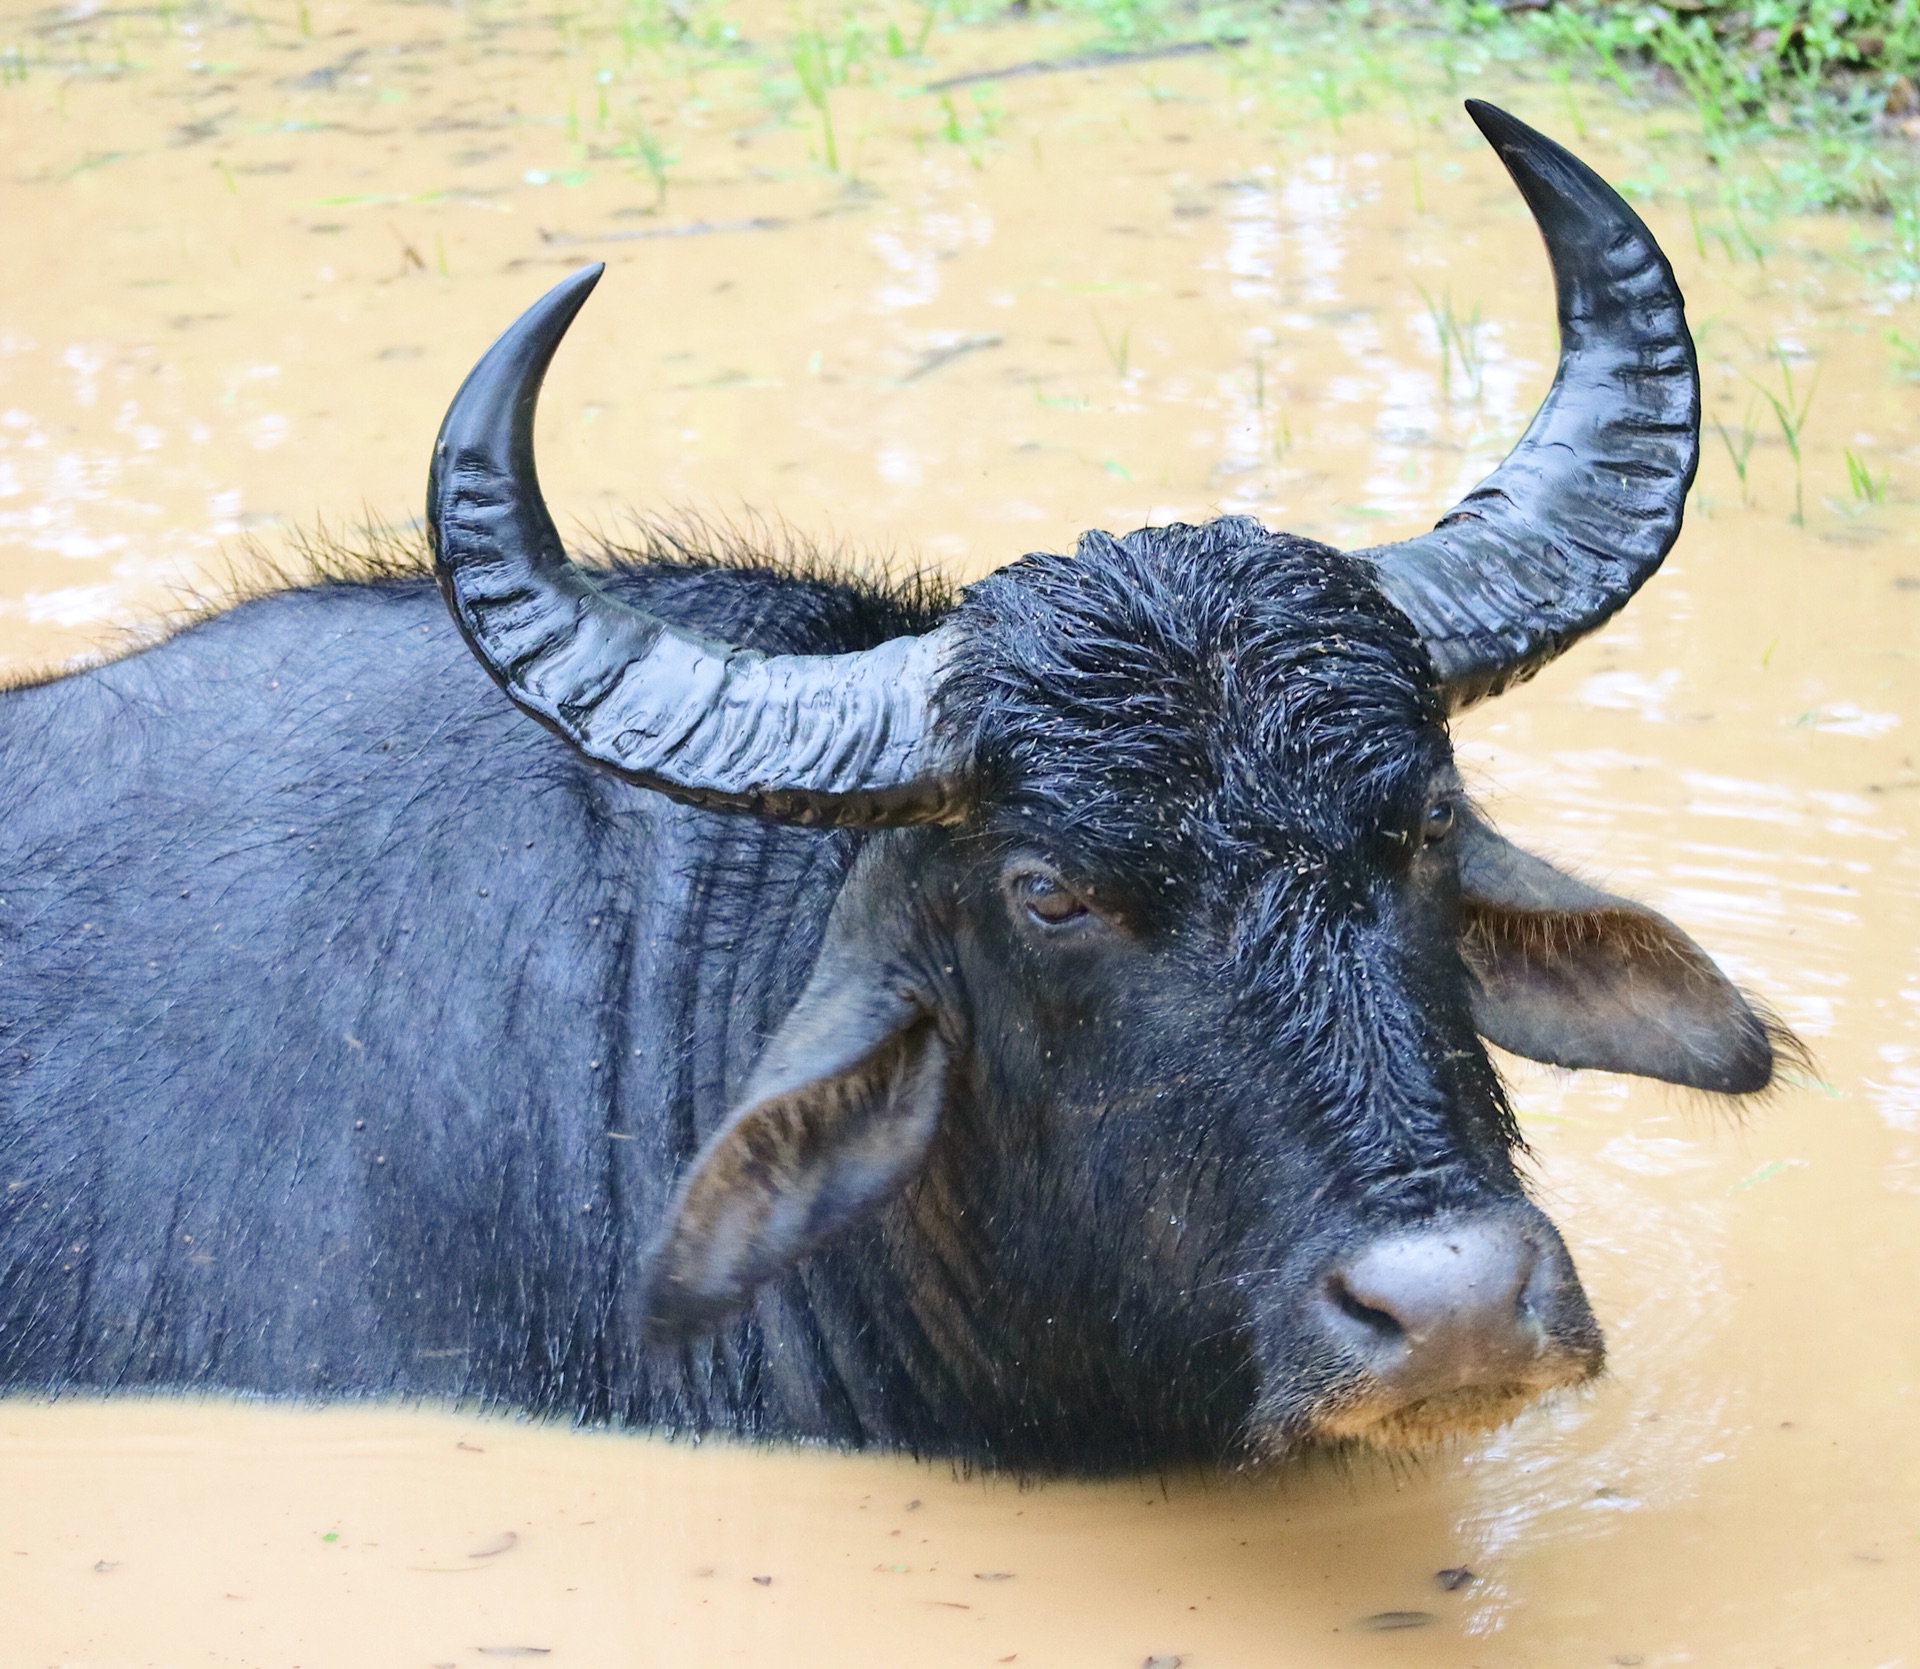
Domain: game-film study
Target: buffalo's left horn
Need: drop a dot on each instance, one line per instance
(1588, 504)
(822, 739)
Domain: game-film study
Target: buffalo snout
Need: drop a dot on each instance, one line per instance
(1451, 1326)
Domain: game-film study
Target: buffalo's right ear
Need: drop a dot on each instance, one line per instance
(1573, 976)
(838, 1116)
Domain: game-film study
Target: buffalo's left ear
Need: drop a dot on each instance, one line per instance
(838, 1116)
(1573, 976)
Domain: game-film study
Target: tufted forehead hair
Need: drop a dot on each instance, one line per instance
(1216, 693)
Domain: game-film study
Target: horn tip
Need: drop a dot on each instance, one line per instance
(549, 317)
(568, 296)
(1499, 126)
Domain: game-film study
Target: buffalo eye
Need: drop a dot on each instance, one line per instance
(1044, 898)
(1437, 823)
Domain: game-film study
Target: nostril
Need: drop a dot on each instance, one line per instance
(1540, 1293)
(1376, 1321)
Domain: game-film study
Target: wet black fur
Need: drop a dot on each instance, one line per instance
(353, 1031)
(1216, 724)
(1224, 738)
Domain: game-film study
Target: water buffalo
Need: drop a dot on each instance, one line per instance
(1042, 1026)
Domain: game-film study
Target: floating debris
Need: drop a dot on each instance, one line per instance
(932, 361)
(505, 1542)
(684, 229)
(1390, 1622)
(1083, 61)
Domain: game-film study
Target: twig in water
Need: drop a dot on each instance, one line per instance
(935, 358)
(684, 229)
(1083, 61)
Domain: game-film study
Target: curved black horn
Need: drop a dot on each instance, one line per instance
(1588, 504)
(825, 739)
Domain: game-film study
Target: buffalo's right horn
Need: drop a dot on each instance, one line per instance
(819, 739)
(1588, 504)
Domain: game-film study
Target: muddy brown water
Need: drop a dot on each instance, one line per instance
(250, 256)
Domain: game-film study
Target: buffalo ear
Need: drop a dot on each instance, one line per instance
(838, 1116)
(1573, 976)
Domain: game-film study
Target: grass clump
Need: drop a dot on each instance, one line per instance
(1810, 66)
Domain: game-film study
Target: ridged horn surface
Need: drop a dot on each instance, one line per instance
(815, 739)
(1587, 505)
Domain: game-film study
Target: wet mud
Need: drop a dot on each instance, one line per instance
(253, 254)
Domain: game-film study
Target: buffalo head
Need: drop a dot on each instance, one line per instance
(1146, 1037)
